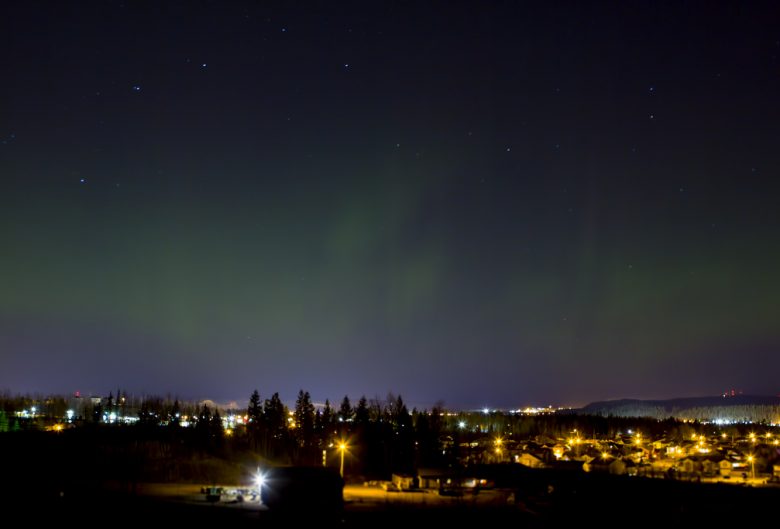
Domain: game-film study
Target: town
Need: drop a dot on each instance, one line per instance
(381, 442)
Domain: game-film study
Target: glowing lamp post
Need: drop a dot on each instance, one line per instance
(342, 449)
(259, 480)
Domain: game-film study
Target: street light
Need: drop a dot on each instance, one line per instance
(498, 442)
(259, 480)
(752, 461)
(342, 449)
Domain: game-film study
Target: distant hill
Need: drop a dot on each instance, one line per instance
(740, 408)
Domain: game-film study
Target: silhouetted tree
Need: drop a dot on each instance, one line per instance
(273, 413)
(325, 424)
(345, 410)
(327, 416)
(318, 428)
(375, 410)
(304, 420)
(120, 403)
(216, 431)
(274, 418)
(428, 428)
(203, 427)
(255, 417)
(401, 418)
(362, 416)
(204, 417)
(402, 451)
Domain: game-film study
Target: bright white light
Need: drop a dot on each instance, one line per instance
(462, 424)
(33, 410)
(485, 411)
(69, 413)
(112, 417)
(259, 480)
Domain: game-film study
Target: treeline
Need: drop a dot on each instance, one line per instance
(749, 413)
(173, 440)
(381, 436)
(50, 406)
(756, 413)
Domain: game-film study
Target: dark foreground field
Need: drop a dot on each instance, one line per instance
(575, 499)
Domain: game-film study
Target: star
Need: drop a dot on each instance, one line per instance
(346, 65)
(83, 180)
(203, 65)
(136, 88)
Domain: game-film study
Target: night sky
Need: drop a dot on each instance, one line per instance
(489, 204)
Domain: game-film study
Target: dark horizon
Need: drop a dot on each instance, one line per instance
(489, 204)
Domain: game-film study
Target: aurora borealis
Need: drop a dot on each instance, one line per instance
(485, 203)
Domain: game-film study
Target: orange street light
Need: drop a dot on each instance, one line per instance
(342, 449)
